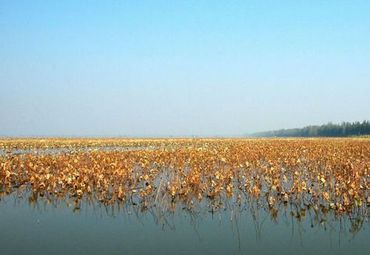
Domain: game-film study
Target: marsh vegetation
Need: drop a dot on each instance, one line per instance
(323, 184)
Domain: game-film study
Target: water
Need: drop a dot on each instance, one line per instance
(44, 228)
(48, 151)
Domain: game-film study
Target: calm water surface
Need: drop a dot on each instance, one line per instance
(42, 228)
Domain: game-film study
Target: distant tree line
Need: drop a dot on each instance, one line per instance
(327, 130)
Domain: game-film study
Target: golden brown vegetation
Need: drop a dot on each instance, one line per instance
(319, 174)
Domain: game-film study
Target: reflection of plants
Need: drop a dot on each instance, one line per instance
(315, 177)
(356, 224)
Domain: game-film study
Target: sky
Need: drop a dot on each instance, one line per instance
(181, 68)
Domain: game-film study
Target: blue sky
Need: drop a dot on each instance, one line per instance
(180, 68)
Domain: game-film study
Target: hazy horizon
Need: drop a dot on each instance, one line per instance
(192, 68)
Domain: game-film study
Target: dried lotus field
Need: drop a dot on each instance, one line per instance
(303, 178)
(326, 174)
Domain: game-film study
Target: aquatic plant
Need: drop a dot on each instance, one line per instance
(312, 174)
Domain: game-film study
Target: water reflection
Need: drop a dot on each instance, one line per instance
(217, 226)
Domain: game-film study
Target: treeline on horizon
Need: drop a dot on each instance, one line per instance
(327, 130)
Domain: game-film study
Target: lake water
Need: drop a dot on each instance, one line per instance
(56, 228)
